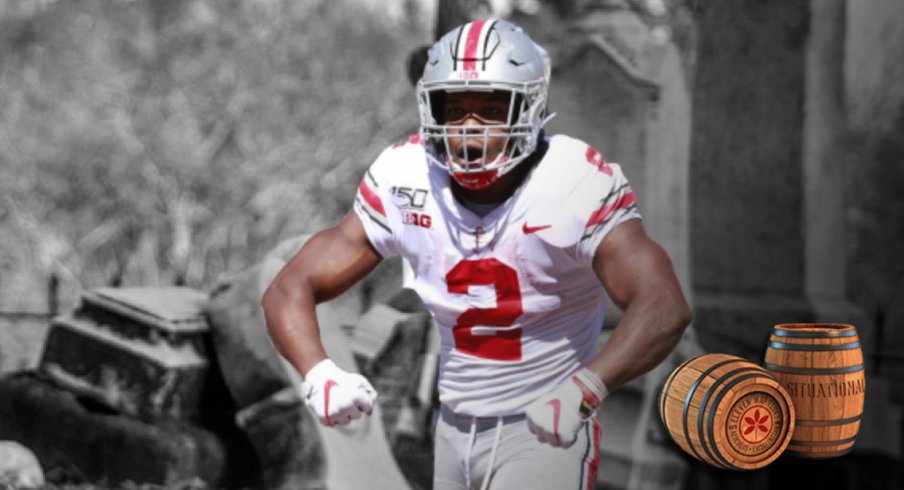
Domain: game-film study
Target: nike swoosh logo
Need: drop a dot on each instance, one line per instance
(326, 399)
(556, 410)
(533, 229)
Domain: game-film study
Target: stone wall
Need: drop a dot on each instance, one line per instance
(874, 174)
(746, 177)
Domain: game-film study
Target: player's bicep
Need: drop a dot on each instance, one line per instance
(628, 261)
(333, 260)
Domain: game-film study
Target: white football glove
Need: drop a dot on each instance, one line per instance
(556, 418)
(337, 397)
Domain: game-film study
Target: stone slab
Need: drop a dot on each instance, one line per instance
(176, 310)
(251, 366)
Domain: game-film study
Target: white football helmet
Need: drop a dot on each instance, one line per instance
(484, 56)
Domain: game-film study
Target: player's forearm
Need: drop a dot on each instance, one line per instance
(327, 266)
(292, 323)
(647, 333)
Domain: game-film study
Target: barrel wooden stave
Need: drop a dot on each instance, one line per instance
(821, 367)
(702, 402)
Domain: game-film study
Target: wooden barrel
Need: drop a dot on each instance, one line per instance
(821, 367)
(727, 412)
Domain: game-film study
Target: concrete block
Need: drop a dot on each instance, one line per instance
(139, 351)
(134, 376)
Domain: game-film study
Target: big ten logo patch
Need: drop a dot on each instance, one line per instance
(754, 424)
(408, 197)
(416, 219)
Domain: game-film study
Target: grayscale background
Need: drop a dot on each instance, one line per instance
(155, 143)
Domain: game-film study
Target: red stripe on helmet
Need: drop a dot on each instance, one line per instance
(371, 198)
(472, 42)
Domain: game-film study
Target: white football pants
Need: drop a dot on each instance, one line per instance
(471, 453)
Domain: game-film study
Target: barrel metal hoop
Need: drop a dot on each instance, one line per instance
(799, 443)
(712, 411)
(814, 347)
(665, 390)
(812, 371)
(818, 455)
(700, 429)
(826, 423)
(823, 334)
(687, 403)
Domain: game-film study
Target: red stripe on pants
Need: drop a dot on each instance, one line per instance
(594, 463)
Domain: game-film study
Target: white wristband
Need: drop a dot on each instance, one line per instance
(592, 382)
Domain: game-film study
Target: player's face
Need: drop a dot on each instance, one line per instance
(476, 109)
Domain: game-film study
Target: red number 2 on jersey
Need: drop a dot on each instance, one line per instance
(504, 345)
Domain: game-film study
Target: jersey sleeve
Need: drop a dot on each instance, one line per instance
(615, 203)
(371, 210)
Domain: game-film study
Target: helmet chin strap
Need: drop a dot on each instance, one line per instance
(476, 182)
(546, 119)
(502, 170)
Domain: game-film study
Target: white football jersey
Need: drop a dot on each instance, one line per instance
(514, 295)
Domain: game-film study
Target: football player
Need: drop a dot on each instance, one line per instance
(513, 238)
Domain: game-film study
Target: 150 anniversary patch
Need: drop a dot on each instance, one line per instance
(408, 197)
